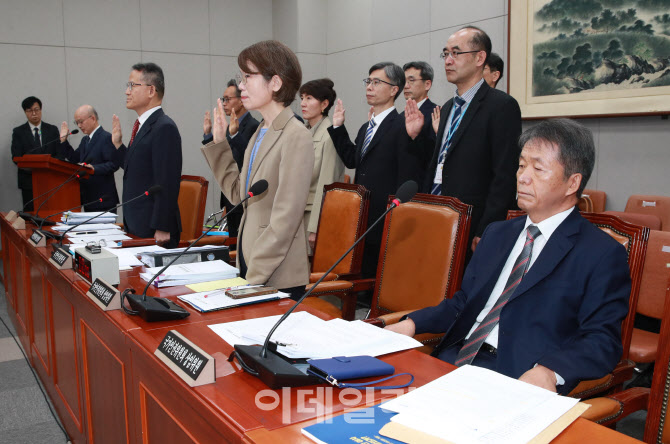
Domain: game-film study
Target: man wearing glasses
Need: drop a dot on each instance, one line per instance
(152, 157)
(98, 152)
(418, 81)
(242, 126)
(476, 154)
(33, 137)
(381, 153)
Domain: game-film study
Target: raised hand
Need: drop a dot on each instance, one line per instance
(219, 125)
(64, 132)
(436, 118)
(338, 113)
(117, 136)
(413, 119)
(207, 124)
(234, 123)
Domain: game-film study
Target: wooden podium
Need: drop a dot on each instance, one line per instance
(48, 173)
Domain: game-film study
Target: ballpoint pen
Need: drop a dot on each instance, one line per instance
(79, 233)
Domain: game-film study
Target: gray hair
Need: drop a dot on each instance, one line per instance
(395, 74)
(153, 75)
(232, 82)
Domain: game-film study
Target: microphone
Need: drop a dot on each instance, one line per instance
(255, 189)
(153, 190)
(51, 235)
(269, 366)
(159, 309)
(75, 131)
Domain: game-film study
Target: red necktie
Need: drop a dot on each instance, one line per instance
(136, 126)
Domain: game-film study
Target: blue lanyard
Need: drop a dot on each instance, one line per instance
(452, 128)
(257, 144)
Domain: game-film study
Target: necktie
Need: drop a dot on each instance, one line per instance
(472, 344)
(136, 126)
(455, 120)
(368, 138)
(38, 142)
(84, 147)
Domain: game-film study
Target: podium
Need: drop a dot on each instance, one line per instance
(48, 173)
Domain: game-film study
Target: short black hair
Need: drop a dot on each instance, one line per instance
(320, 89)
(427, 72)
(495, 64)
(28, 102)
(395, 74)
(232, 82)
(480, 40)
(153, 75)
(576, 150)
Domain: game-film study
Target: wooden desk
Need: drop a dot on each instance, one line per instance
(108, 387)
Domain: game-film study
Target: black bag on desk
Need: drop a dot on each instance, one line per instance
(338, 368)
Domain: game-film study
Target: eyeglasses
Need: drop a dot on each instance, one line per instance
(454, 54)
(376, 82)
(411, 80)
(225, 99)
(243, 78)
(131, 85)
(79, 122)
(33, 110)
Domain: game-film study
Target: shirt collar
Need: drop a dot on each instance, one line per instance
(382, 115)
(470, 94)
(146, 114)
(90, 136)
(419, 104)
(32, 127)
(549, 225)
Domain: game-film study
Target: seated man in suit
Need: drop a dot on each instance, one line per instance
(153, 157)
(381, 153)
(545, 294)
(33, 137)
(242, 126)
(97, 150)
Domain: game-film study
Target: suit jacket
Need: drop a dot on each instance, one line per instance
(101, 153)
(23, 142)
(565, 314)
(480, 167)
(328, 168)
(239, 143)
(272, 233)
(389, 161)
(154, 158)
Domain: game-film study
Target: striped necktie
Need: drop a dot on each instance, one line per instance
(455, 120)
(474, 342)
(368, 137)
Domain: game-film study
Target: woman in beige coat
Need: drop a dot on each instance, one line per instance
(316, 99)
(272, 246)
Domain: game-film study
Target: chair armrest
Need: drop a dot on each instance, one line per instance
(610, 409)
(590, 388)
(376, 322)
(313, 277)
(138, 242)
(341, 289)
(363, 284)
(388, 319)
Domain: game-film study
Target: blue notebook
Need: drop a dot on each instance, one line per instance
(356, 426)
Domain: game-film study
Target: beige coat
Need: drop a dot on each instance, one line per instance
(272, 231)
(328, 168)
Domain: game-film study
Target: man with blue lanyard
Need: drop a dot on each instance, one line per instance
(476, 152)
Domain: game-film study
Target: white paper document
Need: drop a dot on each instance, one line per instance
(183, 274)
(217, 300)
(74, 218)
(86, 227)
(476, 405)
(305, 336)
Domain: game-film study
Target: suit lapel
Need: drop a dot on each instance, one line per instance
(470, 112)
(146, 128)
(270, 138)
(381, 131)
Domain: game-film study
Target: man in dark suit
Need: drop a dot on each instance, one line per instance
(476, 150)
(28, 139)
(238, 134)
(381, 152)
(153, 157)
(493, 70)
(97, 150)
(544, 296)
(418, 81)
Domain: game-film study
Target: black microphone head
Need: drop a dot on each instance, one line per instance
(258, 187)
(75, 131)
(154, 189)
(407, 191)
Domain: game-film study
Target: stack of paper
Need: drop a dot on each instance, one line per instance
(72, 218)
(183, 274)
(303, 335)
(128, 256)
(86, 227)
(217, 300)
(473, 404)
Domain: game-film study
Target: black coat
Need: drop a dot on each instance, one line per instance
(23, 142)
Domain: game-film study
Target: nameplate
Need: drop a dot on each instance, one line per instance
(11, 216)
(648, 204)
(187, 360)
(38, 239)
(61, 259)
(19, 224)
(104, 295)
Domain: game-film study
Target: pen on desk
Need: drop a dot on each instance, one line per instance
(86, 232)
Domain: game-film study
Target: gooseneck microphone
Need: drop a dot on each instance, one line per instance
(74, 131)
(158, 309)
(260, 183)
(269, 366)
(153, 190)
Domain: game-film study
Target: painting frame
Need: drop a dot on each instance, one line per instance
(630, 102)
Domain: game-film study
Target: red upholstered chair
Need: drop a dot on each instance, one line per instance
(599, 199)
(343, 219)
(654, 400)
(192, 201)
(646, 204)
(634, 238)
(585, 204)
(650, 221)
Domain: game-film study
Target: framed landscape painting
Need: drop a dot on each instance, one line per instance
(589, 58)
